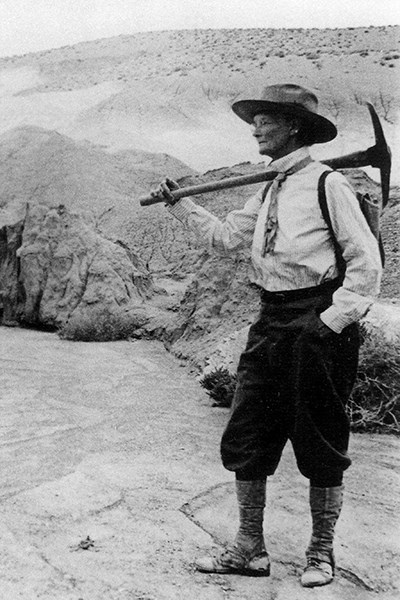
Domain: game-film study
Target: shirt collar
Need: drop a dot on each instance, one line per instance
(290, 160)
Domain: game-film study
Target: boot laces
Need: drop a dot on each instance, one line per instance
(232, 556)
(315, 563)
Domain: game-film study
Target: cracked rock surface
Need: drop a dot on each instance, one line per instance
(56, 269)
(112, 485)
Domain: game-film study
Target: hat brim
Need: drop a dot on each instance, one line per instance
(322, 129)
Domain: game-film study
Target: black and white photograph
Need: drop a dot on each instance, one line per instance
(199, 300)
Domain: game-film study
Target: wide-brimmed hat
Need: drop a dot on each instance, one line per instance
(293, 100)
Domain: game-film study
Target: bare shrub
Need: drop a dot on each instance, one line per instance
(334, 106)
(101, 324)
(374, 405)
(385, 104)
(359, 98)
(375, 401)
(160, 243)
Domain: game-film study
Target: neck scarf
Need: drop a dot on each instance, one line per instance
(271, 223)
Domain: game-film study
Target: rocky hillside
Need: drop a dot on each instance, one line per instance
(44, 166)
(210, 295)
(92, 127)
(171, 91)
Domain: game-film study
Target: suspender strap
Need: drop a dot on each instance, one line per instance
(325, 213)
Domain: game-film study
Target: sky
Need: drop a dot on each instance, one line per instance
(33, 25)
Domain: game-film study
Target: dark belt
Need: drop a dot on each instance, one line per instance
(301, 294)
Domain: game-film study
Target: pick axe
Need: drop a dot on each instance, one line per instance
(378, 156)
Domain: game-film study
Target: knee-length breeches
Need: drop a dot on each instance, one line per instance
(293, 384)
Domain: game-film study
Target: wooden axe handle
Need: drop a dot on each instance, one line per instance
(378, 156)
(213, 186)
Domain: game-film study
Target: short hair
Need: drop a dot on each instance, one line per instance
(306, 134)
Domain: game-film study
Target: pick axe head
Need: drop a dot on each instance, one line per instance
(380, 154)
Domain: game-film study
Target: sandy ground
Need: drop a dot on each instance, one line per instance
(116, 442)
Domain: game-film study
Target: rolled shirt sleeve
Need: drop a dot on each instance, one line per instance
(360, 251)
(235, 233)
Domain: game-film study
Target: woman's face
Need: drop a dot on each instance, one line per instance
(275, 134)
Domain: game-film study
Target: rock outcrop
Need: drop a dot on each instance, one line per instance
(42, 166)
(218, 301)
(61, 204)
(56, 270)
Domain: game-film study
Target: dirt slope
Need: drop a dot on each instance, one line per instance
(39, 165)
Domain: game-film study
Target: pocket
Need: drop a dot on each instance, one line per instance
(316, 328)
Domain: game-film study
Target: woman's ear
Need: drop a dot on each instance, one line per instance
(295, 126)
